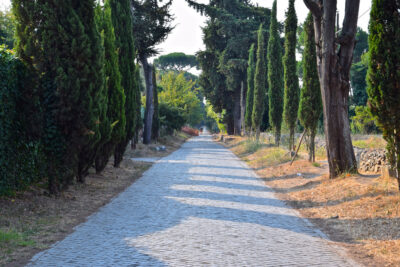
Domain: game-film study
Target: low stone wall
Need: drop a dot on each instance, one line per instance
(372, 160)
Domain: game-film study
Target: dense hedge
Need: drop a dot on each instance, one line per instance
(21, 156)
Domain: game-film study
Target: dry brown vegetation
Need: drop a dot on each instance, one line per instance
(33, 220)
(359, 212)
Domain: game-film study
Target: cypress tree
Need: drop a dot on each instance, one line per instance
(115, 112)
(275, 79)
(310, 98)
(250, 89)
(60, 41)
(383, 75)
(156, 114)
(291, 96)
(138, 107)
(260, 84)
(122, 22)
(93, 82)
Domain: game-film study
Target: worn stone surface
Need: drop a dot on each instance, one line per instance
(200, 206)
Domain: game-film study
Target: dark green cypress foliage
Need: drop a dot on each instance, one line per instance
(115, 113)
(138, 105)
(156, 115)
(383, 74)
(250, 89)
(275, 77)
(93, 86)
(69, 63)
(260, 84)
(292, 91)
(122, 21)
(310, 108)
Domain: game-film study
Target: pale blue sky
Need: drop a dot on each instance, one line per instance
(187, 36)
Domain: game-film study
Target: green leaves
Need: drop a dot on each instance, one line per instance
(275, 76)
(260, 82)
(383, 73)
(292, 90)
(310, 98)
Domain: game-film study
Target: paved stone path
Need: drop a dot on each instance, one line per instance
(200, 206)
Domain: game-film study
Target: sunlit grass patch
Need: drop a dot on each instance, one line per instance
(248, 146)
(273, 156)
(316, 164)
(373, 142)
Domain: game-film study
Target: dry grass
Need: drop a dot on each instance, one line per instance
(33, 220)
(359, 212)
(372, 142)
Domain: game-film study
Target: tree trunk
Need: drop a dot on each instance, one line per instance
(334, 59)
(311, 153)
(291, 139)
(397, 157)
(277, 136)
(243, 106)
(236, 112)
(258, 134)
(230, 129)
(148, 117)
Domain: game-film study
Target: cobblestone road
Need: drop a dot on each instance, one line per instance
(200, 206)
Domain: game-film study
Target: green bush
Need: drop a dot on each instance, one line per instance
(21, 153)
(171, 118)
(363, 122)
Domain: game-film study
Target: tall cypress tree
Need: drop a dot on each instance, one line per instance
(122, 21)
(156, 114)
(69, 62)
(250, 89)
(115, 112)
(383, 74)
(275, 77)
(94, 81)
(291, 96)
(310, 99)
(260, 84)
(138, 107)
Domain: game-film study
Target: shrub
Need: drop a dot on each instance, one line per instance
(21, 153)
(190, 131)
(171, 119)
(363, 122)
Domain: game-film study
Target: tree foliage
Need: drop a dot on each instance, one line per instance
(123, 28)
(260, 83)
(291, 80)
(363, 121)
(180, 93)
(151, 25)
(230, 30)
(275, 77)
(310, 108)
(176, 61)
(22, 160)
(156, 115)
(71, 80)
(383, 74)
(250, 88)
(114, 120)
(358, 71)
(7, 28)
